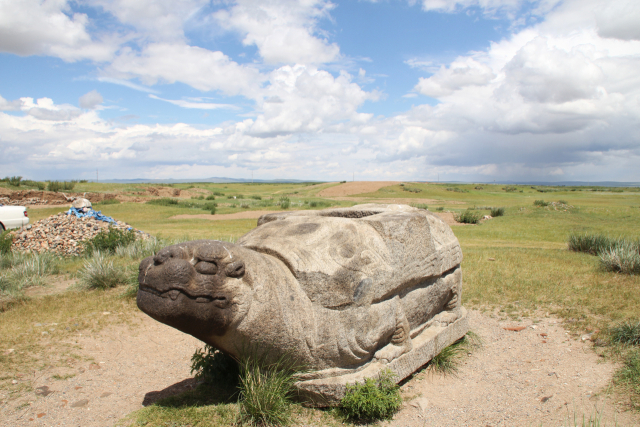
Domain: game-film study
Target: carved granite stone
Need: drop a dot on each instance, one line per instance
(346, 292)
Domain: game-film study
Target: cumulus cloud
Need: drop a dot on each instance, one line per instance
(90, 100)
(10, 105)
(166, 63)
(460, 73)
(619, 19)
(284, 31)
(34, 27)
(45, 109)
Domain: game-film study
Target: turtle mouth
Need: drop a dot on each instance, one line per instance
(173, 294)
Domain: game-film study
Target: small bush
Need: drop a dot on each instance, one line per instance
(510, 189)
(540, 203)
(245, 205)
(440, 208)
(626, 333)
(217, 193)
(468, 217)
(285, 202)
(457, 190)
(411, 189)
(212, 366)
(255, 197)
(210, 197)
(15, 181)
(68, 186)
(211, 207)
(54, 186)
(165, 201)
(564, 202)
(376, 399)
(497, 212)
(108, 241)
(6, 240)
(109, 202)
(622, 257)
(98, 272)
(478, 188)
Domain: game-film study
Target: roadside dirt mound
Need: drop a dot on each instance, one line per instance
(357, 187)
(36, 197)
(163, 191)
(538, 376)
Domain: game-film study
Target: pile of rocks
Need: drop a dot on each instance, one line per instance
(61, 233)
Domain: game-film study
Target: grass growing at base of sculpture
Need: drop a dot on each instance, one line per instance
(447, 361)
(375, 399)
(212, 366)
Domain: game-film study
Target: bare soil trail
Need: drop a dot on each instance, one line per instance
(527, 378)
(356, 187)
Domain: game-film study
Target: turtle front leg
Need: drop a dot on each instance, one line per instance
(400, 340)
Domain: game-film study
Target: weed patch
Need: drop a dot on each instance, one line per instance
(215, 367)
(540, 203)
(6, 240)
(108, 241)
(468, 217)
(495, 212)
(626, 333)
(98, 272)
(375, 399)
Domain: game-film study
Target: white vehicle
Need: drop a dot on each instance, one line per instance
(13, 217)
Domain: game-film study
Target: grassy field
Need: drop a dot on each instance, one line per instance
(514, 266)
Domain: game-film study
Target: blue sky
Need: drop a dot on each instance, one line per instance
(473, 90)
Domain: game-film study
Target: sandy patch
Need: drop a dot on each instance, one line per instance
(533, 377)
(357, 187)
(221, 217)
(58, 286)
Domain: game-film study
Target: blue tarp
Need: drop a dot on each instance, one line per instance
(92, 214)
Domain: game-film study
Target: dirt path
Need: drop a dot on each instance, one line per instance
(357, 187)
(517, 379)
(222, 217)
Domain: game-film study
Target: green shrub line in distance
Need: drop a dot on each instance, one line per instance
(165, 201)
(468, 216)
(375, 399)
(61, 185)
(457, 190)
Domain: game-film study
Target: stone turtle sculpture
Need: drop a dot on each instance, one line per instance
(345, 292)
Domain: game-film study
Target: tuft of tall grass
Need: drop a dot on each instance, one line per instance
(622, 257)
(446, 362)
(98, 272)
(468, 217)
(32, 271)
(540, 203)
(590, 243)
(497, 212)
(266, 390)
(284, 202)
(626, 333)
(212, 366)
(140, 248)
(629, 376)
(6, 240)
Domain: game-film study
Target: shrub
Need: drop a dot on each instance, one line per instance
(210, 197)
(510, 189)
(256, 197)
(54, 186)
(6, 240)
(217, 193)
(212, 366)
(626, 333)
(15, 181)
(468, 217)
(165, 201)
(564, 202)
(68, 186)
(108, 241)
(540, 203)
(285, 202)
(411, 189)
(266, 389)
(440, 208)
(497, 212)
(245, 205)
(376, 399)
(478, 188)
(211, 207)
(98, 272)
(457, 190)
(623, 257)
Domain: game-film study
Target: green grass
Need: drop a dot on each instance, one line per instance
(375, 399)
(447, 361)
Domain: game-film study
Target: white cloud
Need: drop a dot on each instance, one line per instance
(196, 105)
(460, 73)
(10, 105)
(90, 100)
(45, 109)
(619, 19)
(126, 83)
(199, 68)
(33, 27)
(284, 31)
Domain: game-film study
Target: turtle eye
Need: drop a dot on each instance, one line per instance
(205, 267)
(235, 269)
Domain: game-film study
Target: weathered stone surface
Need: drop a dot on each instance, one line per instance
(346, 292)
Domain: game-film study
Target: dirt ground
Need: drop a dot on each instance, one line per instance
(538, 376)
(357, 187)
